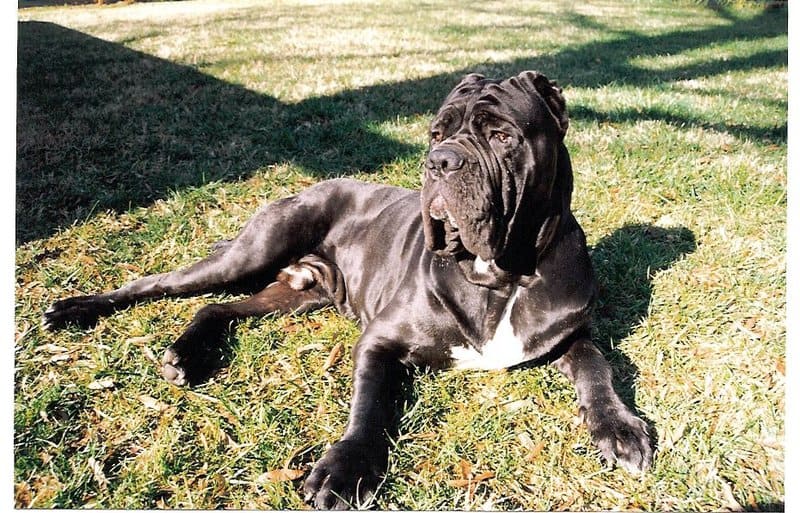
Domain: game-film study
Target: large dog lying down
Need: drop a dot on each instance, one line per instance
(485, 268)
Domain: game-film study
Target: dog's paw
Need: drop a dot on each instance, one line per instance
(347, 476)
(82, 311)
(621, 437)
(193, 357)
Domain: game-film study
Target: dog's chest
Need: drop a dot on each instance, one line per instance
(503, 349)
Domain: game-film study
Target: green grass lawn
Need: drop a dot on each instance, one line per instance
(148, 131)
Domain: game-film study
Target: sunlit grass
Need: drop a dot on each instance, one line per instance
(146, 132)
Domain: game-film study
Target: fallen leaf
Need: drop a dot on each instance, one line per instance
(148, 353)
(22, 495)
(229, 415)
(463, 483)
(46, 457)
(425, 466)
(129, 267)
(99, 476)
(297, 456)
(781, 366)
(100, 384)
(50, 348)
(565, 506)
(152, 403)
(727, 492)
(334, 356)
(280, 475)
(291, 327)
(535, 451)
(750, 327)
(525, 439)
(466, 469)
(310, 347)
(429, 435)
(140, 340)
(751, 501)
(205, 397)
(459, 483)
(517, 405)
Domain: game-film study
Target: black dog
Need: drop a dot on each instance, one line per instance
(485, 268)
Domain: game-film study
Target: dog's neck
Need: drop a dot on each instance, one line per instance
(483, 273)
(520, 269)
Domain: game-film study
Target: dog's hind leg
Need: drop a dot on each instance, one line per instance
(278, 234)
(307, 285)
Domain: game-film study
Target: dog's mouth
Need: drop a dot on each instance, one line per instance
(443, 227)
(460, 222)
(439, 212)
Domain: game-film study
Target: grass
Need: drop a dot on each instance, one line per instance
(148, 131)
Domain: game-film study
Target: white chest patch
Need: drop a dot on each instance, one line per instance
(503, 350)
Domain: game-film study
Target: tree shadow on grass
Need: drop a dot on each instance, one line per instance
(101, 126)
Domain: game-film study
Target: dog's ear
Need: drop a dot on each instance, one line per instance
(470, 79)
(551, 94)
(467, 86)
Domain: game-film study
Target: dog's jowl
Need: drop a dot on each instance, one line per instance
(485, 267)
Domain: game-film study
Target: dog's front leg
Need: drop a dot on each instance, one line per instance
(620, 435)
(350, 471)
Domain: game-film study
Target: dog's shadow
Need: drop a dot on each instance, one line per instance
(624, 263)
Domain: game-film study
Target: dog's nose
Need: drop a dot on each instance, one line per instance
(443, 161)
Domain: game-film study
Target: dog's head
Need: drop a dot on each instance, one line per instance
(497, 172)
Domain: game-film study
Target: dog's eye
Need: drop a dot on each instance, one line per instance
(499, 136)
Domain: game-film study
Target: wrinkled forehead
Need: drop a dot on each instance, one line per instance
(469, 89)
(464, 96)
(498, 97)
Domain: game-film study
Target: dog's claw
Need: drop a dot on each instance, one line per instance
(623, 439)
(170, 370)
(346, 476)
